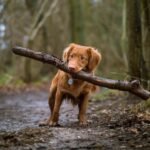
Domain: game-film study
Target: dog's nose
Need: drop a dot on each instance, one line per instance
(71, 68)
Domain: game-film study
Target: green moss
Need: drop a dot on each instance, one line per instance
(5, 79)
(143, 106)
(9, 80)
(105, 94)
(13, 82)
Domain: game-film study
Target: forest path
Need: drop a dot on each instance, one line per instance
(110, 125)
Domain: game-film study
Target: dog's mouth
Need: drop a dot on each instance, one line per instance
(75, 70)
(85, 69)
(78, 70)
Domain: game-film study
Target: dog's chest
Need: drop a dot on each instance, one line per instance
(70, 81)
(73, 87)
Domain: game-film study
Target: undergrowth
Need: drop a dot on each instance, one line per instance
(105, 93)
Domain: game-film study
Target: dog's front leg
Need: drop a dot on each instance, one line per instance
(83, 104)
(51, 102)
(55, 113)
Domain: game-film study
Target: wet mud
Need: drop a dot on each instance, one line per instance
(111, 125)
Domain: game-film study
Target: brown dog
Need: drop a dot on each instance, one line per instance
(63, 85)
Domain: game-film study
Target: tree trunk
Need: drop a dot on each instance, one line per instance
(124, 34)
(134, 39)
(77, 21)
(27, 77)
(146, 38)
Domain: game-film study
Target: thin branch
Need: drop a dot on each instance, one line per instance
(132, 87)
(38, 15)
(41, 23)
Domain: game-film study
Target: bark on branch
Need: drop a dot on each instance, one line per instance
(133, 87)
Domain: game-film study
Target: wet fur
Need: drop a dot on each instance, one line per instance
(80, 91)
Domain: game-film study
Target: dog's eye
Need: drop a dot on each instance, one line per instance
(83, 58)
(71, 56)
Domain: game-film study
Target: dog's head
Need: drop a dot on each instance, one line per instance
(81, 58)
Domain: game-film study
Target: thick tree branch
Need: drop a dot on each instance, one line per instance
(132, 87)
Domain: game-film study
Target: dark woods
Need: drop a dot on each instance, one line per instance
(119, 29)
(138, 39)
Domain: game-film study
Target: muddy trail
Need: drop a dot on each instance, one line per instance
(111, 125)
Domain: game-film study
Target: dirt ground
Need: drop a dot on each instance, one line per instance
(111, 124)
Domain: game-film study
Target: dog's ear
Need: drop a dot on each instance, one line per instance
(67, 52)
(94, 59)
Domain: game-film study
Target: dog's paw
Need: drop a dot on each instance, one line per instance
(53, 124)
(83, 123)
(43, 123)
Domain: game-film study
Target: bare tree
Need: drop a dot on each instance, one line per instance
(77, 21)
(146, 39)
(134, 37)
(38, 24)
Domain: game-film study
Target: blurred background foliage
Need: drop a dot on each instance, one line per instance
(50, 25)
